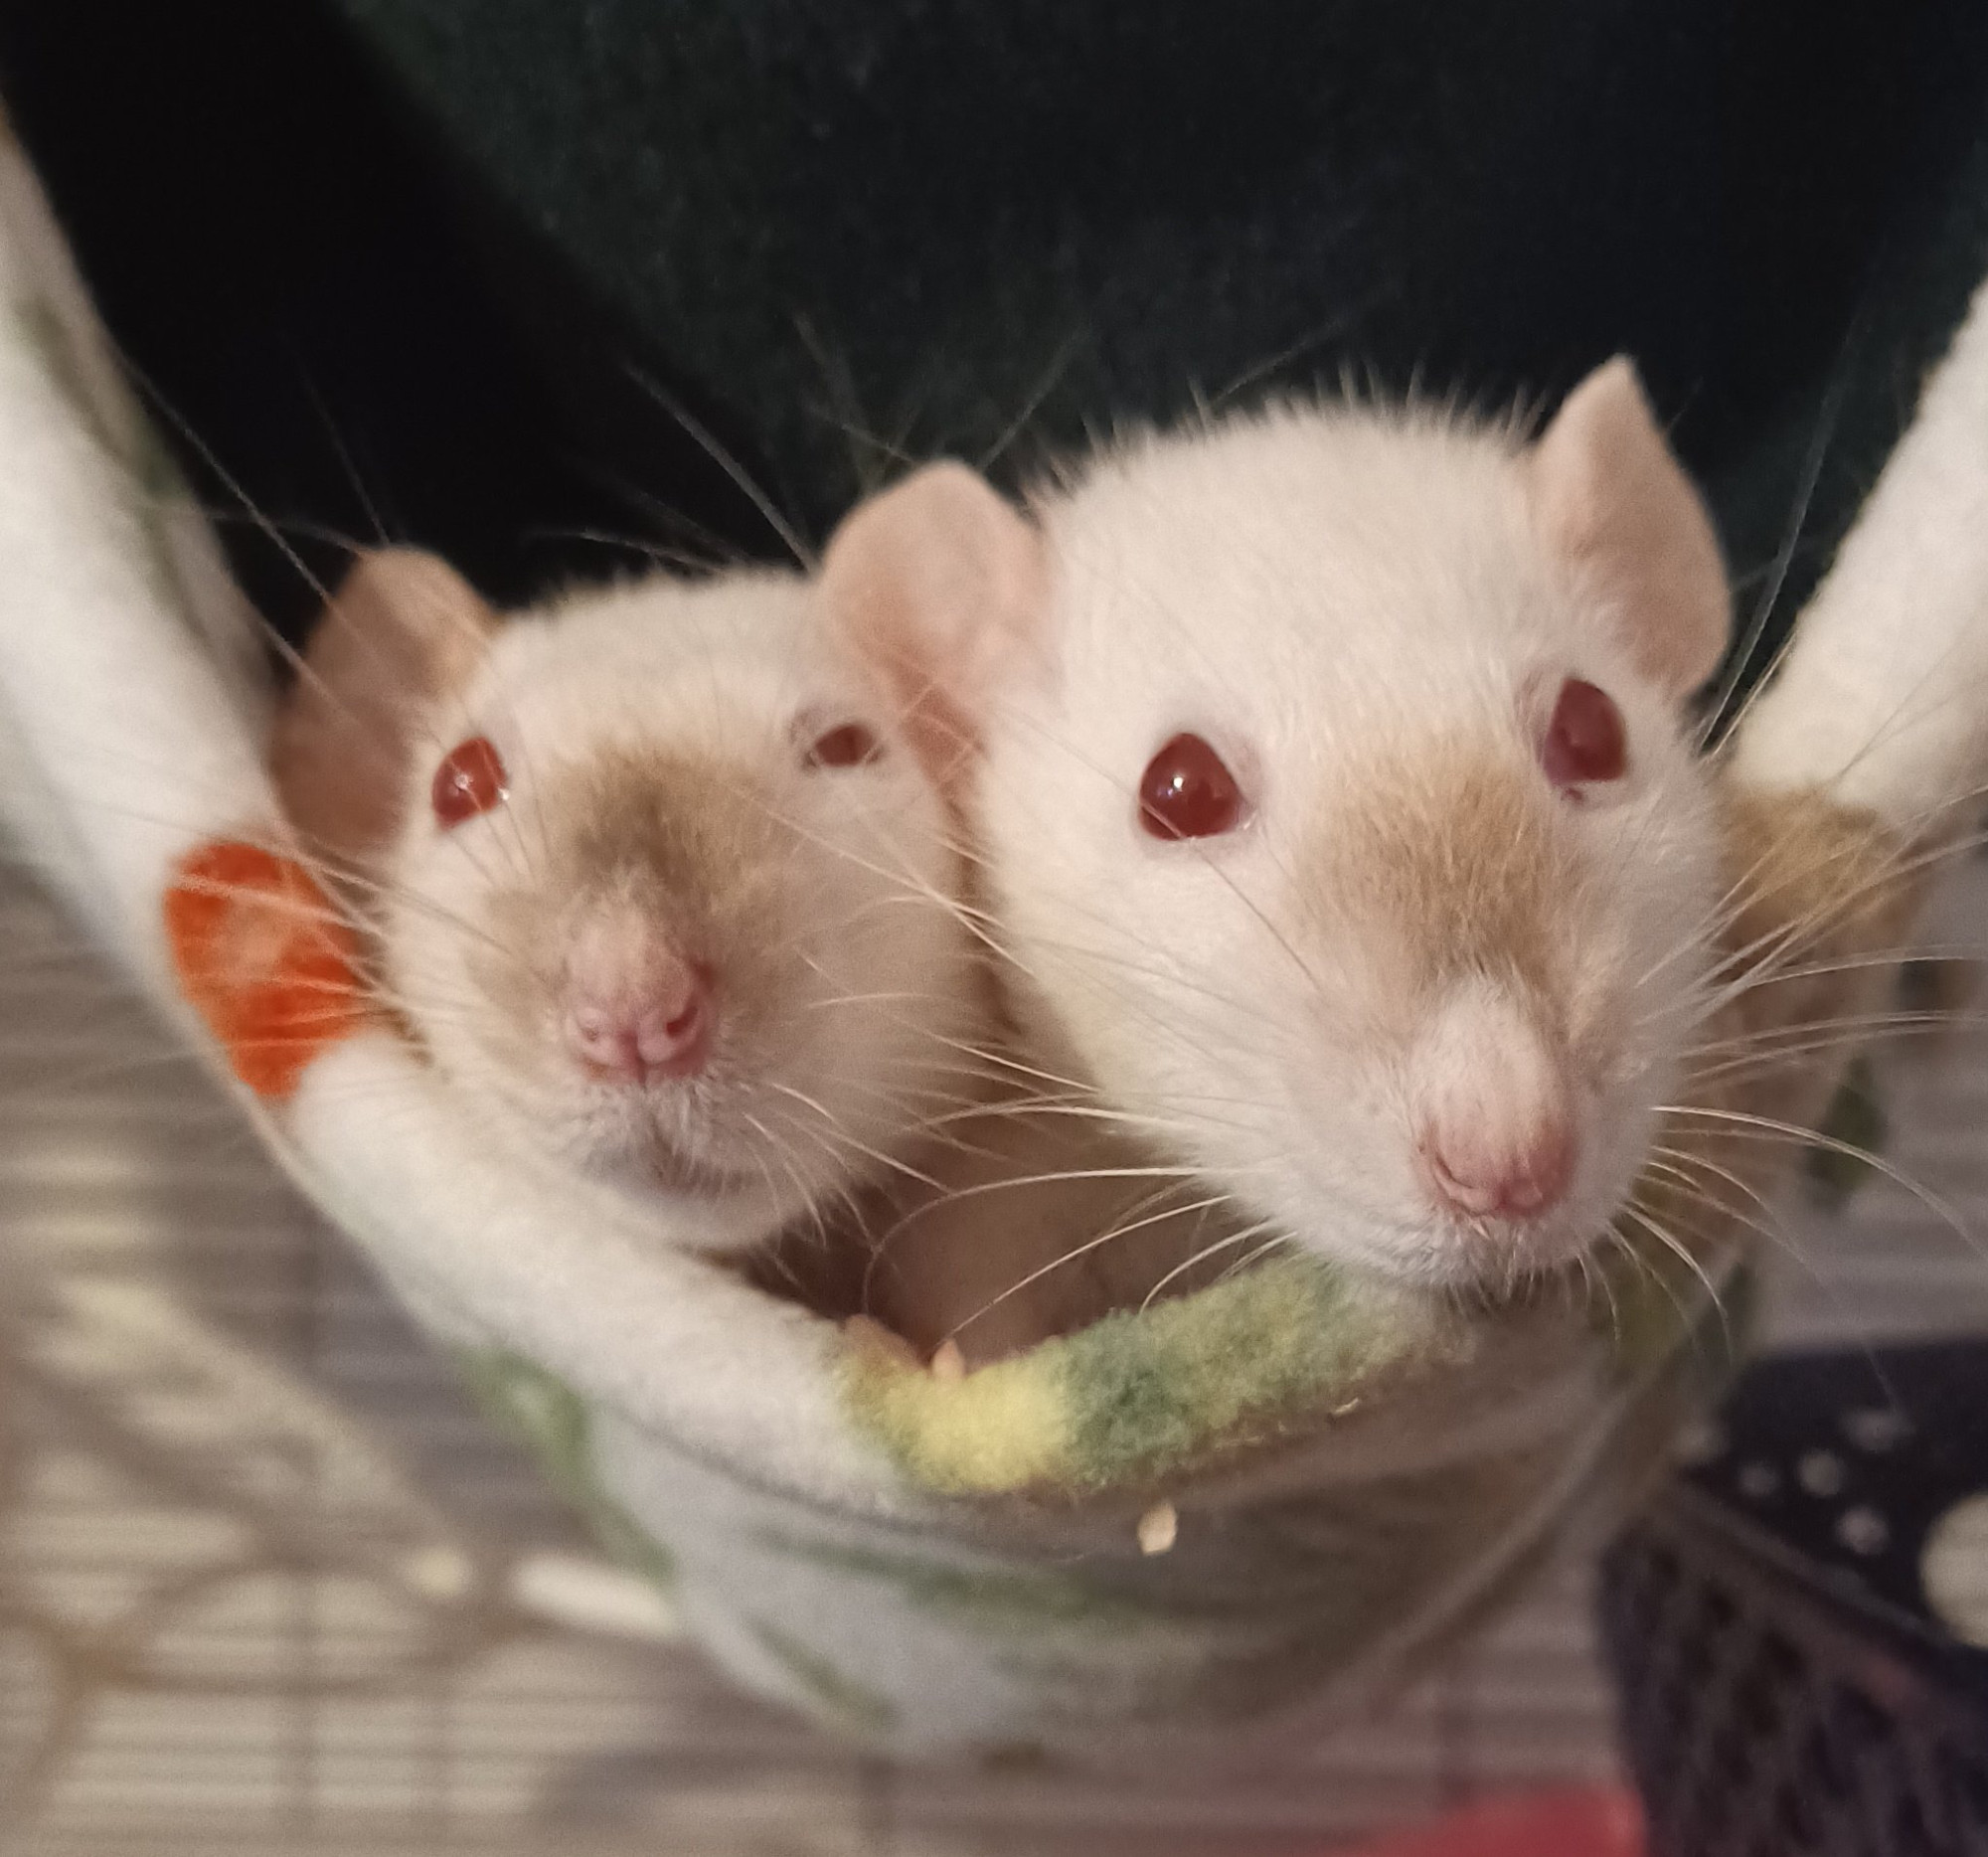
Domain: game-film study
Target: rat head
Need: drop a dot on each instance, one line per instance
(1329, 771)
(658, 887)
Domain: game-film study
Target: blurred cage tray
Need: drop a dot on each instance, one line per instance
(265, 1574)
(1790, 1624)
(124, 1175)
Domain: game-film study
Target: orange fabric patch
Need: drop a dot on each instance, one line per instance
(265, 959)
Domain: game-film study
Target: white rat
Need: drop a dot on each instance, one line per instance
(650, 877)
(1337, 811)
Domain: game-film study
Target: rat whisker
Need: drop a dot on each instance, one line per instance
(1745, 1125)
(1066, 352)
(838, 1128)
(1062, 1261)
(1828, 416)
(1212, 1249)
(730, 465)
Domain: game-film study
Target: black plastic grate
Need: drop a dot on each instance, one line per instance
(1785, 1689)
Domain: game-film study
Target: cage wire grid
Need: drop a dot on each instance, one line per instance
(267, 1581)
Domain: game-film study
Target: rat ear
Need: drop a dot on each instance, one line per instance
(1616, 506)
(941, 589)
(402, 633)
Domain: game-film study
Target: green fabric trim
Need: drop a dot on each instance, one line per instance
(1148, 1394)
(553, 1422)
(857, 1708)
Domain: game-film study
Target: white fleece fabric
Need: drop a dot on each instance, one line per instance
(1883, 695)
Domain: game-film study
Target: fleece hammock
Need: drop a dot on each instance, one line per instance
(1181, 1532)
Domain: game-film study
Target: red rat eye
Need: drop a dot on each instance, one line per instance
(470, 779)
(1586, 741)
(1187, 791)
(849, 746)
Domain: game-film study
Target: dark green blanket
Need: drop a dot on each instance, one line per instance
(514, 246)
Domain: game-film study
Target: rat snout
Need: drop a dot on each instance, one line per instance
(1507, 1172)
(636, 1009)
(1494, 1110)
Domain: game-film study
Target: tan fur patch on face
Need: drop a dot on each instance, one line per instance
(1818, 895)
(1450, 855)
(698, 850)
(1820, 900)
(1812, 881)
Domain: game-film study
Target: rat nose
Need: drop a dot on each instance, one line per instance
(1482, 1170)
(637, 1042)
(1494, 1111)
(636, 1010)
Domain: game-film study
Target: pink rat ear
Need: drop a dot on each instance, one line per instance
(402, 633)
(1612, 503)
(941, 587)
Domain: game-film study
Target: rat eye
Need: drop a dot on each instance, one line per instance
(1586, 741)
(1187, 791)
(470, 779)
(849, 744)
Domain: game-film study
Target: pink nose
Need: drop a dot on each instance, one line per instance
(1483, 1171)
(634, 1043)
(636, 1011)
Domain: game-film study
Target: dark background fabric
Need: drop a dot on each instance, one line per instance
(481, 276)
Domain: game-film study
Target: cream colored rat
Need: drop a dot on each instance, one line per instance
(651, 879)
(1338, 816)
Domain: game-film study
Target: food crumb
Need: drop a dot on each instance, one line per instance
(1157, 1528)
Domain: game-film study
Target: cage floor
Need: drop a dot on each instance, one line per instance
(196, 1654)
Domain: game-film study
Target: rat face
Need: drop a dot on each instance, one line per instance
(664, 897)
(1338, 817)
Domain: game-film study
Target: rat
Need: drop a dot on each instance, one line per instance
(649, 876)
(1340, 819)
